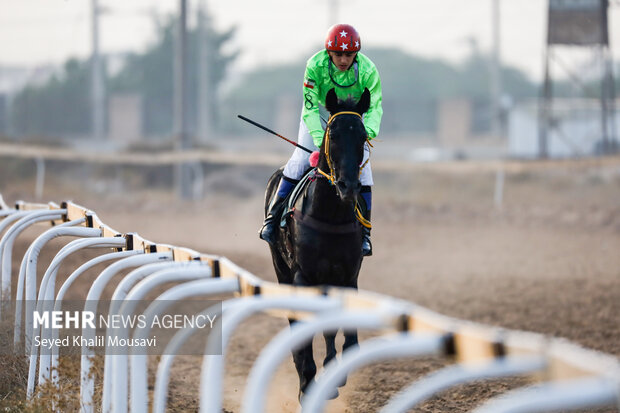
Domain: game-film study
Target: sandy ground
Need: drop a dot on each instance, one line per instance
(546, 261)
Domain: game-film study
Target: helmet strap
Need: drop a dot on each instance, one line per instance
(330, 70)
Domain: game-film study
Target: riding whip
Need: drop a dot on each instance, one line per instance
(274, 133)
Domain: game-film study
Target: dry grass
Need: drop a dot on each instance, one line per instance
(65, 396)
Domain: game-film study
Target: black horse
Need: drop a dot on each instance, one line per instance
(321, 243)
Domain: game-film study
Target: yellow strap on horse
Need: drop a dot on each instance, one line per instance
(358, 214)
(330, 176)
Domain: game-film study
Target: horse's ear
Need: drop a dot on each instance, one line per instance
(331, 101)
(364, 102)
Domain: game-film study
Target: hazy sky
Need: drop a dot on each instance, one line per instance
(271, 31)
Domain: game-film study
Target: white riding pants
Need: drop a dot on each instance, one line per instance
(300, 162)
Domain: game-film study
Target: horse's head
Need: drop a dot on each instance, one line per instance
(343, 146)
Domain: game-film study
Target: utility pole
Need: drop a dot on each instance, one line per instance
(333, 9)
(180, 121)
(97, 86)
(204, 107)
(544, 115)
(496, 77)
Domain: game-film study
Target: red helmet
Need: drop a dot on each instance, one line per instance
(343, 38)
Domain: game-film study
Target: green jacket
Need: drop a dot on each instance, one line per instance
(317, 82)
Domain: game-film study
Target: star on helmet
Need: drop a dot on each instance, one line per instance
(342, 33)
(344, 46)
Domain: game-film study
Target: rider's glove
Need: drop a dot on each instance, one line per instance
(314, 159)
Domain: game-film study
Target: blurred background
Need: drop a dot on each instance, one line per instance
(482, 79)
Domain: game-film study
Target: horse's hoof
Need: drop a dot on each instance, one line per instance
(331, 396)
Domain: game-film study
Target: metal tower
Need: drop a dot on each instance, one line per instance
(583, 25)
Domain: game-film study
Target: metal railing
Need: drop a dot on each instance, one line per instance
(570, 376)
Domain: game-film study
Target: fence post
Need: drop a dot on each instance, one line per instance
(32, 254)
(121, 291)
(31, 272)
(162, 378)
(571, 394)
(295, 337)
(48, 287)
(41, 305)
(450, 376)
(6, 246)
(373, 350)
(190, 271)
(38, 190)
(240, 309)
(87, 384)
(498, 196)
(68, 282)
(138, 362)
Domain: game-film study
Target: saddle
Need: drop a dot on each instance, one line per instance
(294, 195)
(299, 189)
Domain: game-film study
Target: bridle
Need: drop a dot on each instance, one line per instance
(331, 177)
(327, 139)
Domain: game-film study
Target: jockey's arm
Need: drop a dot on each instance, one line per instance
(372, 118)
(311, 115)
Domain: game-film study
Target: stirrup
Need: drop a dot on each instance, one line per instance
(366, 246)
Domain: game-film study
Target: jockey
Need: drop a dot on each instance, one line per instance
(340, 66)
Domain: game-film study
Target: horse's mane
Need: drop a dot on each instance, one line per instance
(348, 104)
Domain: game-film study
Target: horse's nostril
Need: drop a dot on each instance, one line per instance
(348, 190)
(344, 185)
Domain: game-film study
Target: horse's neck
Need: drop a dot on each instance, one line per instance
(324, 204)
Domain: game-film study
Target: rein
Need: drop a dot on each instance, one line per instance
(331, 176)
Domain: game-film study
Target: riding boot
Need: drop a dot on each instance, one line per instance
(270, 225)
(366, 194)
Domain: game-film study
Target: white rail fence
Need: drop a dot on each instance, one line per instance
(568, 375)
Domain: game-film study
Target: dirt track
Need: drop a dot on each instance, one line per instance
(546, 261)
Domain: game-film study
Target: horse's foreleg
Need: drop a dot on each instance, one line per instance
(303, 357)
(330, 347)
(350, 340)
(304, 364)
(350, 337)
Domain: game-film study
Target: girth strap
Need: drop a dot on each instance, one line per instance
(323, 226)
